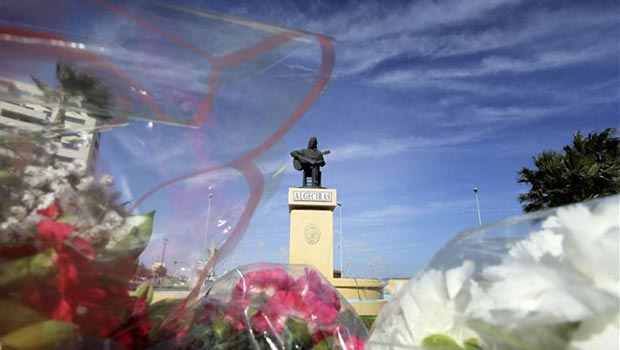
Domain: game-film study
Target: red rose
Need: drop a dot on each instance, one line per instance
(52, 211)
(54, 231)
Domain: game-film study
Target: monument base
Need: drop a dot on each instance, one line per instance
(365, 295)
(311, 243)
(312, 221)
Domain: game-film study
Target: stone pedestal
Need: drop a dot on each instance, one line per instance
(311, 243)
(311, 235)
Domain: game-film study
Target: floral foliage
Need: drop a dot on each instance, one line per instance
(552, 288)
(269, 308)
(67, 254)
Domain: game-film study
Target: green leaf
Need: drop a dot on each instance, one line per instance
(472, 344)
(145, 289)
(221, 328)
(42, 335)
(67, 219)
(133, 235)
(15, 315)
(299, 333)
(441, 341)
(7, 179)
(15, 272)
(322, 345)
(160, 310)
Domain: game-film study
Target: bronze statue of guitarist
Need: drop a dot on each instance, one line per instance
(309, 160)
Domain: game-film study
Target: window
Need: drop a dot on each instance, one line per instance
(64, 159)
(75, 120)
(22, 117)
(70, 145)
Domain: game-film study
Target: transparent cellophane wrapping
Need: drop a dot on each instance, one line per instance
(546, 280)
(266, 306)
(139, 143)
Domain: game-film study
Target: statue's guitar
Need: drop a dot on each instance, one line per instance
(297, 164)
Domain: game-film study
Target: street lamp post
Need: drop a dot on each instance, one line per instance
(340, 230)
(161, 262)
(477, 205)
(205, 248)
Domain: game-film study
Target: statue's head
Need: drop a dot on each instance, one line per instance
(312, 143)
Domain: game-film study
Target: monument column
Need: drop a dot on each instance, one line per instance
(311, 235)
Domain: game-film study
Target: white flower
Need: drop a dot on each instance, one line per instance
(10, 224)
(80, 168)
(85, 183)
(46, 200)
(29, 198)
(112, 220)
(34, 177)
(18, 212)
(591, 241)
(432, 303)
(597, 333)
(60, 187)
(97, 234)
(538, 244)
(106, 180)
(565, 274)
(536, 293)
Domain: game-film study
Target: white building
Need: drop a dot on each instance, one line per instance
(33, 116)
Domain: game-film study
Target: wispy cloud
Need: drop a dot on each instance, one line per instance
(400, 213)
(389, 146)
(493, 65)
(370, 36)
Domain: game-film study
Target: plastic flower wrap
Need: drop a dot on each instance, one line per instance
(267, 306)
(125, 127)
(548, 280)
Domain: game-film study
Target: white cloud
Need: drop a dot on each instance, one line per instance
(389, 146)
(495, 64)
(371, 36)
(400, 213)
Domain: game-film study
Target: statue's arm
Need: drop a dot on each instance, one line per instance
(320, 161)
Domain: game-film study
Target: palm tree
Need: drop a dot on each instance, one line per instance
(590, 168)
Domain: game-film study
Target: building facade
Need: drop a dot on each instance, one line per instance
(37, 117)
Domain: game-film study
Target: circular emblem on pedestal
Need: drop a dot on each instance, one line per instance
(312, 233)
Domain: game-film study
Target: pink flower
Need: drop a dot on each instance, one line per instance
(262, 281)
(315, 291)
(273, 314)
(320, 309)
(347, 341)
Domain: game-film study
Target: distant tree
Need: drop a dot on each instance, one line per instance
(76, 88)
(589, 168)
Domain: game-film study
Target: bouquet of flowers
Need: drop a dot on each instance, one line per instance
(267, 306)
(68, 252)
(548, 280)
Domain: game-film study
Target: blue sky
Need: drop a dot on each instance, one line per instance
(427, 100)
(432, 98)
